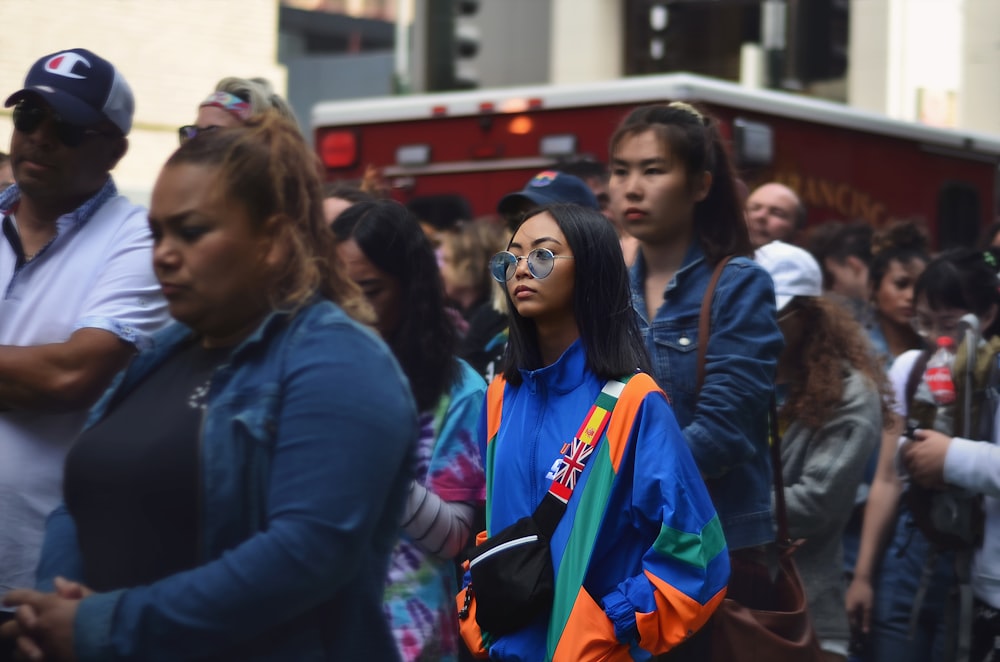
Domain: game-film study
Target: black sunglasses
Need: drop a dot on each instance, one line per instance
(29, 116)
(189, 131)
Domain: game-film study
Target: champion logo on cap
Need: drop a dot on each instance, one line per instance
(81, 87)
(62, 64)
(544, 178)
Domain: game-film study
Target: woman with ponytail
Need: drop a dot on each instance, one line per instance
(672, 187)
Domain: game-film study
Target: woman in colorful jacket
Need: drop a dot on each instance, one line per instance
(639, 558)
(237, 494)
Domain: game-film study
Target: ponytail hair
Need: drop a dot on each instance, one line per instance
(693, 139)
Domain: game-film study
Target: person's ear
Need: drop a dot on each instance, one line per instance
(274, 241)
(119, 147)
(856, 265)
(702, 186)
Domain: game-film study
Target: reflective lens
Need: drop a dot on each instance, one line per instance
(503, 265)
(28, 117)
(186, 133)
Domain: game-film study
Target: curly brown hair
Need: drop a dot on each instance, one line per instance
(832, 339)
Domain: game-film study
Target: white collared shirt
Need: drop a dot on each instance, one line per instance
(96, 273)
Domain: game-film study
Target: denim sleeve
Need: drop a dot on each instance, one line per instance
(60, 552)
(743, 348)
(345, 432)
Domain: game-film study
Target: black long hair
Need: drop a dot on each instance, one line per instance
(424, 344)
(602, 301)
(693, 138)
(963, 278)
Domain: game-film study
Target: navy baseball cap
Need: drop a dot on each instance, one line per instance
(549, 187)
(83, 88)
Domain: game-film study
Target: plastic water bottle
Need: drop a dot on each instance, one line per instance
(939, 372)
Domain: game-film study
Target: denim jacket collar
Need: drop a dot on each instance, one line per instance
(637, 276)
(563, 376)
(178, 333)
(164, 343)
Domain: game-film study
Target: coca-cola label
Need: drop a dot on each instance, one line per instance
(941, 386)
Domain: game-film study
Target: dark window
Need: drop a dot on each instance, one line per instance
(959, 215)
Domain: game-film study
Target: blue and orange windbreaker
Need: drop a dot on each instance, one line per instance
(640, 557)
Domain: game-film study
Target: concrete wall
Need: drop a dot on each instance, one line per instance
(323, 78)
(980, 78)
(932, 61)
(516, 39)
(171, 53)
(587, 44)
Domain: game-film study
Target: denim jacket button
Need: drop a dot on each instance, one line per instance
(684, 341)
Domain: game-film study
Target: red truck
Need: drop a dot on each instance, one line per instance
(844, 162)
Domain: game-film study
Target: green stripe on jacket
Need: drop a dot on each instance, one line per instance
(576, 555)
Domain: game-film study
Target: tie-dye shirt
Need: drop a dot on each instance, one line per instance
(421, 588)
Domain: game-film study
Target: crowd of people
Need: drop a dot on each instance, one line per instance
(273, 418)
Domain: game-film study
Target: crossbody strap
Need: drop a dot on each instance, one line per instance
(576, 453)
(705, 320)
(777, 478)
(574, 456)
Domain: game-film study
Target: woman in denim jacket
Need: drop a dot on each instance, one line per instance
(237, 493)
(673, 189)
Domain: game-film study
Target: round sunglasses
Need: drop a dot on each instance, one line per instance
(541, 261)
(29, 116)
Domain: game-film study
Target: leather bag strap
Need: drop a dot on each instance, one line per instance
(780, 513)
(705, 320)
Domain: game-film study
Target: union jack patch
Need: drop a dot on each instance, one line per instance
(570, 468)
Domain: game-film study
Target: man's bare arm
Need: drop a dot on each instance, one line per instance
(61, 376)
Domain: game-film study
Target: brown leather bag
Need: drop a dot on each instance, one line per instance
(775, 625)
(764, 617)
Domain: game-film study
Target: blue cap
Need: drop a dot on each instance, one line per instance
(83, 88)
(549, 187)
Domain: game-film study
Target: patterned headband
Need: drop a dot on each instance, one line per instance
(230, 103)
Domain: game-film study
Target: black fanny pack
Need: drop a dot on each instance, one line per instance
(513, 581)
(512, 574)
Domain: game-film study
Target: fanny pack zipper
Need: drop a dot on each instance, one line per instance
(501, 547)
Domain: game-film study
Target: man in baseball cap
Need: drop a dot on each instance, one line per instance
(77, 290)
(545, 188)
(81, 87)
